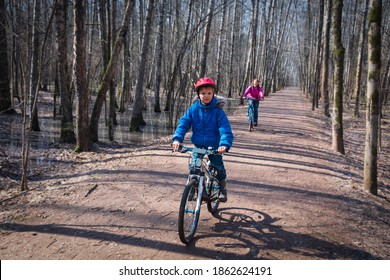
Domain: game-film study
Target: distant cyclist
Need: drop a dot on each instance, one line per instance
(254, 93)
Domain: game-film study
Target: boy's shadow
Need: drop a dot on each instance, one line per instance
(244, 233)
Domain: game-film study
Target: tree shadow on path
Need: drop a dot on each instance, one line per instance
(241, 233)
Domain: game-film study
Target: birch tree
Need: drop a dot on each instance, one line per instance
(373, 89)
(338, 58)
(359, 67)
(232, 43)
(34, 72)
(315, 100)
(325, 64)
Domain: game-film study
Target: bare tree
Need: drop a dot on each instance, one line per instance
(110, 72)
(136, 117)
(67, 128)
(27, 140)
(276, 58)
(5, 93)
(159, 53)
(359, 67)
(34, 72)
(315, 99)
(221, 40)
(338, 54)
(83, 139)
(206, 39)
(325, 64)
(232, 42)
(373, 105)
(249, 75)
(124, 92)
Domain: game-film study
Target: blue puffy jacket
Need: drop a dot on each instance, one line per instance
(210, 126)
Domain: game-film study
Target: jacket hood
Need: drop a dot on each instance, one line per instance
(212, 104)
(221, 101)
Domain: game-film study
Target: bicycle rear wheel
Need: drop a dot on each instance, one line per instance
(188, 213)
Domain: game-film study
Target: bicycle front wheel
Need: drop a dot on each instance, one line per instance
(250, 128)
(189, 212)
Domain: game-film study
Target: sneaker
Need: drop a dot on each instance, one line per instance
(223, 192)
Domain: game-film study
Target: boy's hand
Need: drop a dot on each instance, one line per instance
(222, 150)
(175, 146)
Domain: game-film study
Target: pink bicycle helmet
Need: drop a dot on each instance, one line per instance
(203, 82)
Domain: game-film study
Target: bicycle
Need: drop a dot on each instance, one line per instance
(250, 117)
(202, 186)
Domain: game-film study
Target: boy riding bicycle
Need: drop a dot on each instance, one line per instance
(254, 93)
(210, 128)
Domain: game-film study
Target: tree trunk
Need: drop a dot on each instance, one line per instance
(206, 39)
(26, 142)
(136, 118)
(94, 21)
(221, 43)
(110, 72)
(338, 54)
(83, 139)
(318, 56)
(104, 45)
(112, 101)
(125, 90)
(5, 92)
(373, 88)
(248, 75)
(125, 87)
(159, 52)
(177, 63)
(34, 72)
(232, 42)
(325, 63)
(67, 129)
(279, 46)
(359, 66)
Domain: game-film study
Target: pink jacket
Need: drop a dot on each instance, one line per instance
(254, 93)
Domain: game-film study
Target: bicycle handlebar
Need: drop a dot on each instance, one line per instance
(251, 98)
(209, 151)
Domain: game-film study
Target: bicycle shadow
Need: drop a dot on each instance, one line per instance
(251, 234)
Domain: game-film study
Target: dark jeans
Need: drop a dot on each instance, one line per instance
(216, 162)
(254, 105)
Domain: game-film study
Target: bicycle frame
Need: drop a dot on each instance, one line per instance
(250, 117)
(201, 171)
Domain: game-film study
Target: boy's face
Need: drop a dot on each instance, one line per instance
(206, 95)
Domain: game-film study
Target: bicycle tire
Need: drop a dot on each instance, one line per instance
(188, 217)
(250, 121)
(213, 202)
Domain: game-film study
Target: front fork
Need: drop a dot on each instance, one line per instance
(200, 180)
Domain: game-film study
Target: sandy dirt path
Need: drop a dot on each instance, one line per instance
(290, 197)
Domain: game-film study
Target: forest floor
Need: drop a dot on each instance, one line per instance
(289, 196)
